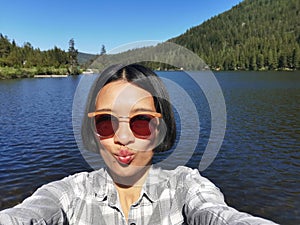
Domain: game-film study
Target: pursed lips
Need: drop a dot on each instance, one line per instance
(124, 156)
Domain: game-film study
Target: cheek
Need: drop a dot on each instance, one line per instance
(106, 144)
(106, 151)
(152, 141)
(156, 138)
(144, 144)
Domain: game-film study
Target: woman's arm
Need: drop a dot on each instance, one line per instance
(205, 205)
(45, 206)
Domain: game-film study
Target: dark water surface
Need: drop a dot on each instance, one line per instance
(257, 167)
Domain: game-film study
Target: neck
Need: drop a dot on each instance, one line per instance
(129, 192)
(137, 179)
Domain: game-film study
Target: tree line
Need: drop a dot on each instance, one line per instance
(26, 61)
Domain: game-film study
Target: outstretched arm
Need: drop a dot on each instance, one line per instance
(45, 206)
(205, 205)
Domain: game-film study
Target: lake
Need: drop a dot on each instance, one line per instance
(257, 167)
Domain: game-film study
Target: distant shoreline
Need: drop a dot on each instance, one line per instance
(46, 76)
(28, 75)
(33, 72)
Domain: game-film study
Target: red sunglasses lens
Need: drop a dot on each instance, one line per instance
(141, 125)
(106, 125)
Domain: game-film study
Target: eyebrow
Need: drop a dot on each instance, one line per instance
(103, 110)
(142, 110)
(133, 111)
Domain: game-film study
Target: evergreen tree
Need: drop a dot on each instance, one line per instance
(73, 63)
(103, 50)
(270, 60)
(253, 63)
(296, 57)
(260, 62)
(5, 46)
(282, 61)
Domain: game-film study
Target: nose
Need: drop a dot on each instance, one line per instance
(123, 135)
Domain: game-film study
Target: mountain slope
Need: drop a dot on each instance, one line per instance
(254, 35)
(85, 58)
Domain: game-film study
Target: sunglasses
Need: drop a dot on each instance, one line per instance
(141, 124)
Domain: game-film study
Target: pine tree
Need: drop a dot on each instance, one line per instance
(296, 58)
(253, 63)
(73, 63)
(260, 61)
(103, 50)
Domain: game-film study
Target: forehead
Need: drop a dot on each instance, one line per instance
(123, 96)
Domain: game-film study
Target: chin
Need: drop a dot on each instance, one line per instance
(127, 175)
(127, 170)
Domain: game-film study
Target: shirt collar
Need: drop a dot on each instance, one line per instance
(103, 186)
(155, 183)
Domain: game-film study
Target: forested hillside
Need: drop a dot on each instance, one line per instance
(85, 59)
(254, 35)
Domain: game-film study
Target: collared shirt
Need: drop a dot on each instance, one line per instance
(180, 196)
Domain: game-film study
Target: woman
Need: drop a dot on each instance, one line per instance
(128, 119)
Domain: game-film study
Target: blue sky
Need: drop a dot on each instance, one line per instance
(49, 23)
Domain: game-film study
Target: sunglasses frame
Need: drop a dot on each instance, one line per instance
(96, 113)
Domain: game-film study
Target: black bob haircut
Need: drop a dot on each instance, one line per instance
(142, 77)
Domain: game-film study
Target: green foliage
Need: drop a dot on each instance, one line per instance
(254, 35)
(26, 61)
(23, 72)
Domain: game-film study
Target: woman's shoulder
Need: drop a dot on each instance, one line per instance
(75, 178)
(180, 171)
(177, 175)
(75, 183)
(183, 176)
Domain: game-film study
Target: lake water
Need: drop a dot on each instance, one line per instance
(257, 167)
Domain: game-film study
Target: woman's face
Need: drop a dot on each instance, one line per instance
(125, 154)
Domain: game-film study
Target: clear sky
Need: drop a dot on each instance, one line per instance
(49, 23)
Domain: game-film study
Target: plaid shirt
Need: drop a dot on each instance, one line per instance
(180, 196)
